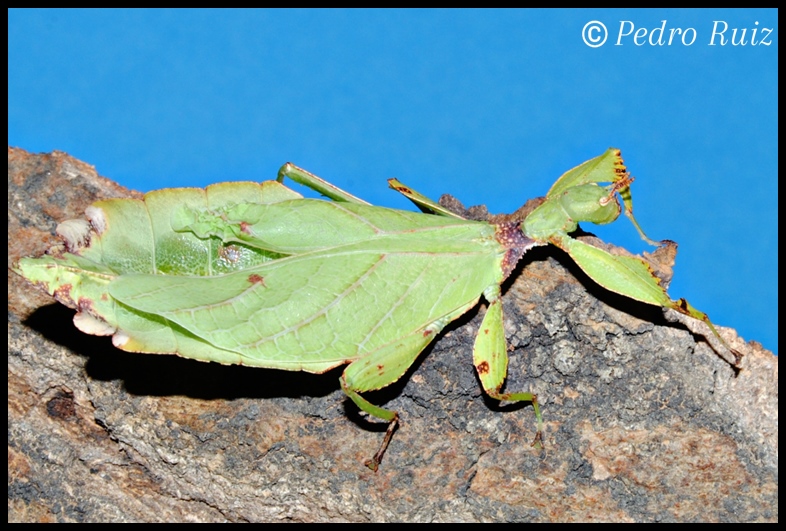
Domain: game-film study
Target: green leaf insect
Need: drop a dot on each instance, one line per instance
(254, 274)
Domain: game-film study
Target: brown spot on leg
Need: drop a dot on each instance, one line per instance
(683, 306)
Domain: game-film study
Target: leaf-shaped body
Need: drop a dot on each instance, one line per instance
(331, 305)
(309, 285)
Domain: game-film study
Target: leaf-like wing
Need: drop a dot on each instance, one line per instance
(305, 225)
(321, 309)
(132, 236)
(253, 274)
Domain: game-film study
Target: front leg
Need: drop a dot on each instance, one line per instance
(632, 277)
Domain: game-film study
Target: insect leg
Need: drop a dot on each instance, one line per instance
(632, 277)
(421, 201)
(386, 365)
(627, 199)
(491, 359)
(378, 370)
(318, 184)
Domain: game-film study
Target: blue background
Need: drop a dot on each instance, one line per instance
(490, 106)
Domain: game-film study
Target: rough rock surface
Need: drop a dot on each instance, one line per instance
(644, 420)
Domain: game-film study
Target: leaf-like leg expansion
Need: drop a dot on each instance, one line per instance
(491, 359)
(632, 277)
(379, 370)
(306, 178)
(385, 366)
(421, 201)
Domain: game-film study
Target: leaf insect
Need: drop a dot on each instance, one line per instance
(254, 274)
